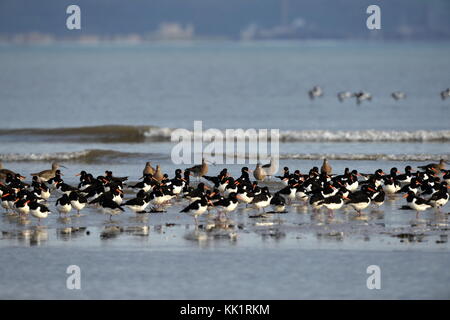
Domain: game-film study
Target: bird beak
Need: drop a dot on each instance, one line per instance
(5, 195)
(405, 196)
(63, 166)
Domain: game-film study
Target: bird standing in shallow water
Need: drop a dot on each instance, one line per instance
(148, 169)
(416, 203)
(197, 208)
(46, 175)
(199, 170)
(326, 168)
(259, 173)
(158, 176)
(39, 211)
(63, 204)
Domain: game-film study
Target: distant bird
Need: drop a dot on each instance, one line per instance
(344, 95)
(445, 94)
(326, 168)
(398, 95)
(46, 175)
(361, 96)
(259, 173)
(315, 92)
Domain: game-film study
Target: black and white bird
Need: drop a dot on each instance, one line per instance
(359, 200)
(278, 203)
(440, 197)
(398, 95)
(315, 92)
(63, 204)
(343, 95)
(78, 201)
(226, 205)
(21, 206)
(39, 211)
(416, 203)
(140, 203)
(362, 96)
(333, 203)
(111, 208)
(445, 94)
(197, 208)
(262, 200)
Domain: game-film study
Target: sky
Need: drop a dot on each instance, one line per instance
(226, 18)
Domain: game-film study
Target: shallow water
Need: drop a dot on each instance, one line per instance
(280, 256)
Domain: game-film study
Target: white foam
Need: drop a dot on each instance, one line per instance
(331, 136)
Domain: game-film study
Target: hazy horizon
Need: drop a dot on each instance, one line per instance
(320, 19)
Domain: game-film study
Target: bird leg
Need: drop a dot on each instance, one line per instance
(330, 213)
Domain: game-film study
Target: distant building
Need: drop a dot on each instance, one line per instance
(173, 31)
(292, 30)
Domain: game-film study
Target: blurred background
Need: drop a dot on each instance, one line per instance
(141, 20)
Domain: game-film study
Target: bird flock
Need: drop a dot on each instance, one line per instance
(360, 96)
(424, 188)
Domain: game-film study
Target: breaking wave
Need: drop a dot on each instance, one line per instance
(119, 133)
(102, 156)
(387, 157)
(91, 155)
